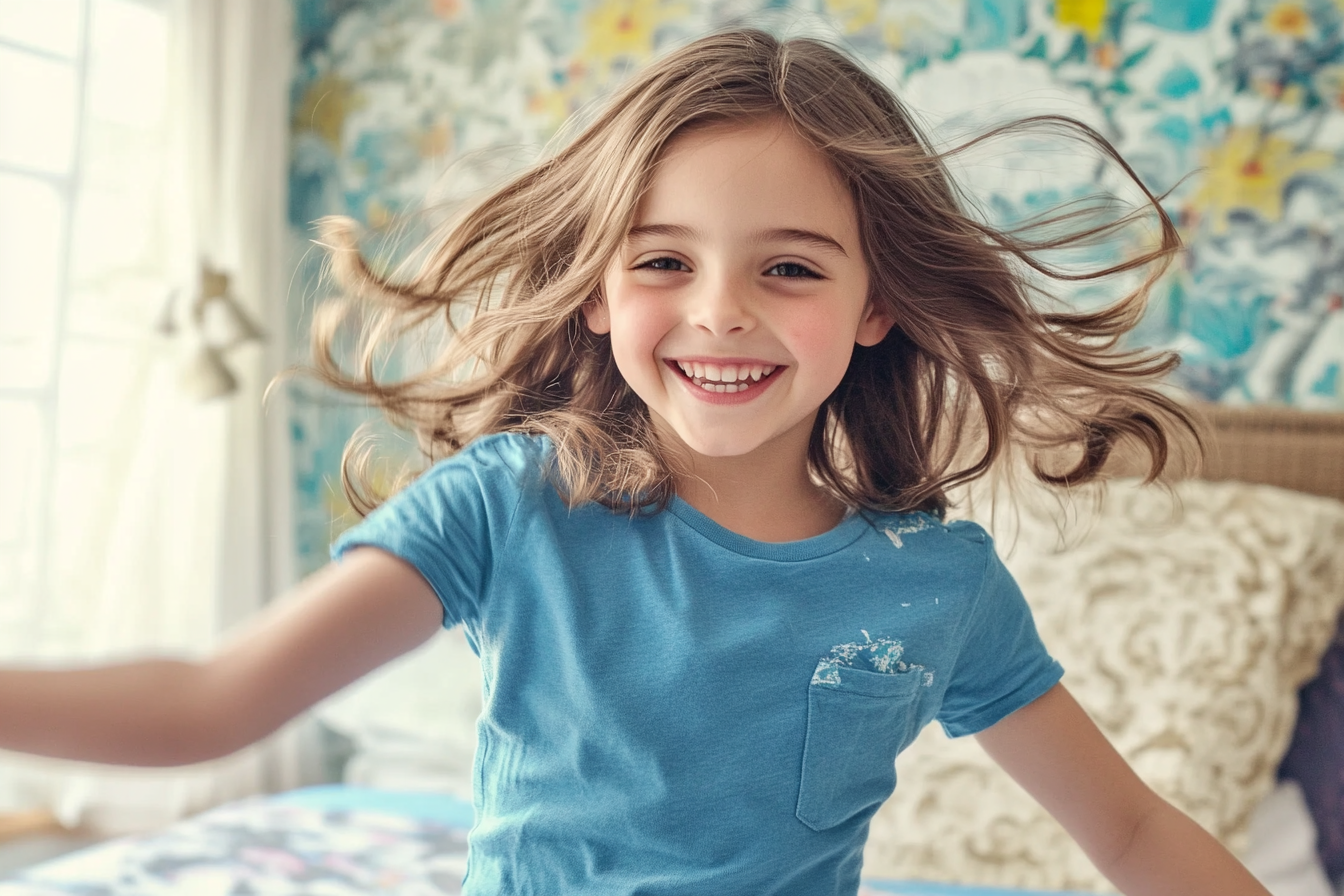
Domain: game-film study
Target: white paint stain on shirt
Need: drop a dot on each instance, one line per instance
(875, 654)
(918, 524)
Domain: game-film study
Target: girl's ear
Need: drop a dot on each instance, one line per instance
(595, 313)
(874, 326)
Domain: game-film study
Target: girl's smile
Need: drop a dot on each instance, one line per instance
(727, 380)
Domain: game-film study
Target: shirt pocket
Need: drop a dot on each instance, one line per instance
(855, 727)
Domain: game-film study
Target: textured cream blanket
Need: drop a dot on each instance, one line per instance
(1186, 625)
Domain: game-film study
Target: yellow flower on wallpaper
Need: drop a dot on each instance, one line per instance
(1288, 20)
(1086, 15)
(623, 29)
(893, 35)
(852, 15)
(1249, 171)
(325, 106)
(550, 105)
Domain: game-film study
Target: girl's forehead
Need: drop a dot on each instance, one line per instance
(772, 140)
(761, 172)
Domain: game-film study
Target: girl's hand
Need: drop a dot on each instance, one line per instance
(1143, 844)
(337, 625)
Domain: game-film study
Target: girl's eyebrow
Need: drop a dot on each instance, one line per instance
(779, 234)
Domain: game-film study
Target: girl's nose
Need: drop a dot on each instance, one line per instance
(721, 306)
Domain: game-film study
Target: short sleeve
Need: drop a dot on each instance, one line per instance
(448, 522)
(1001, 665)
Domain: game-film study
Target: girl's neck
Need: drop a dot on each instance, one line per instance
(766, 496)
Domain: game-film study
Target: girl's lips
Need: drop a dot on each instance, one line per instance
(725, 381)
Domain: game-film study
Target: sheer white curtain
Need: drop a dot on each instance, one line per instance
(161, 516)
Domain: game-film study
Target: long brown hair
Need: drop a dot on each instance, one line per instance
(979, 359)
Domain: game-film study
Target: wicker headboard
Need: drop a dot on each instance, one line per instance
(1298, 450)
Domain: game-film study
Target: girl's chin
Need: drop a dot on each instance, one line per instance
(701, 445)
(721, 447)
(722, 443)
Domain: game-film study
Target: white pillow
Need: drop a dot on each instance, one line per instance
(1282, 849)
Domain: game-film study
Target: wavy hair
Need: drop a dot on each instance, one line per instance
(981, 358)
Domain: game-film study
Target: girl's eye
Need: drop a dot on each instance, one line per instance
(793, 270)
(663, 264)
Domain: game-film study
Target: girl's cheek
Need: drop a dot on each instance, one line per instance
(639, 325)
(816, 339)
(648, 312)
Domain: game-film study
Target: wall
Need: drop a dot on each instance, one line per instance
(1237, 107)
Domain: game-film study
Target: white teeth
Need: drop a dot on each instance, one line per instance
(724, 377)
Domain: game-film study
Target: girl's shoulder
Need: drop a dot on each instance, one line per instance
(504, 463)
(522, 453)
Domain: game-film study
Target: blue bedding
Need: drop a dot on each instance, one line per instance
(333, 840)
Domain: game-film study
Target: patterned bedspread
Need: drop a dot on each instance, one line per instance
(326, 841)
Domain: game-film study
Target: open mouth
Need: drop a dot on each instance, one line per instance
(725, 377)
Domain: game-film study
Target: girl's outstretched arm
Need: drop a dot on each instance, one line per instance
(337, 625)
(1143, 844)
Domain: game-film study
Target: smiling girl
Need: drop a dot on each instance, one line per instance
(731, 349)
(732, 310)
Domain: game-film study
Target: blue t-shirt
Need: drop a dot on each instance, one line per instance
(672, 708)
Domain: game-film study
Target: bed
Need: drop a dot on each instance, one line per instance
(333, 841)
(1258, 552)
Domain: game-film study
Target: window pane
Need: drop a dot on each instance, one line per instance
(102, 387)
(37, 112)
(21, 423)
(51, 25)
(21, 458)
(117, 285)
(115, 231)
(31, 228)
(128, 58)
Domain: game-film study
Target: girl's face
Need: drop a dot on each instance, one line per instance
(737, 298)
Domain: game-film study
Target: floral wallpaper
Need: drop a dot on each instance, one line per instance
(1234, 106)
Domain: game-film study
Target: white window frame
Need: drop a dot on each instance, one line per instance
(29, 554)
